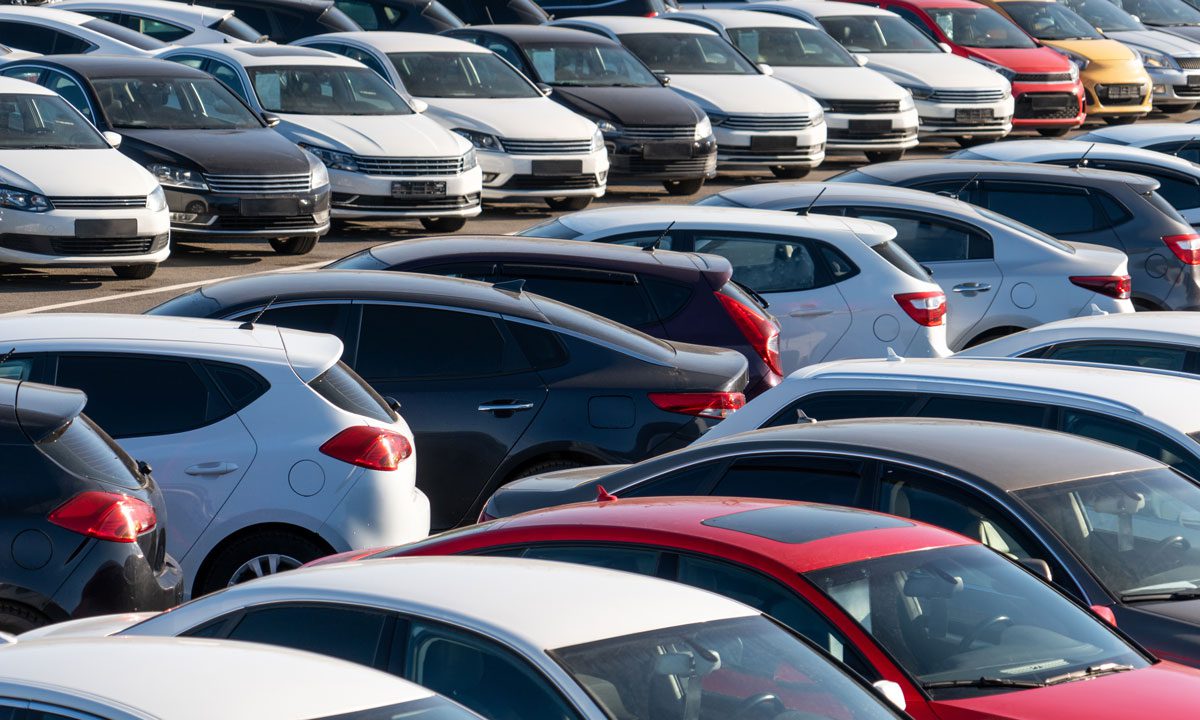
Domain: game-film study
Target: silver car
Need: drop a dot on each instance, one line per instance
(1179, 139)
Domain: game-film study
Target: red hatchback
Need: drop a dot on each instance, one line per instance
(1045, 84)
(964, 631)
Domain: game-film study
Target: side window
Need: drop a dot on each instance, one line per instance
(668, 241)
(963, 188)
(158, 29)
(16, 369)
(71, 92)
(23, 36)
(360, 12)
(169, 395)
(1053, 210)
(1127, 435)
(365, 58)
(22, 73)
(451, 344)
(765, 264)
(628, 559)
(256, 17)
(504, 50)
(917, 21)
(844, 406)
(240, 385)
(930, 239)
(840, 266)
(542, 348)
(345, 633)
(612, 295)
(317, 317)
(809, 479)
(481, 675)
(667, 296)
(229, 76)
(1158, 357)
(192, 61)
(974, 408)
(66, 44)
(1187, 149)
(1182, 193)
(688, 481)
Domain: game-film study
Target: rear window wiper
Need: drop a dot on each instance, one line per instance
(983, 682)
(1102, 669)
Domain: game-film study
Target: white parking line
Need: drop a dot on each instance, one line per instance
(165, 288)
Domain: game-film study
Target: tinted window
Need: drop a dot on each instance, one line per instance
(974, 408)
(821, 480)
(1050, 209)
(160, 30)
(1163, 206)
(668, 297)
(229, 76)
(764, 264)
(1126, 435)
(1158, 357)
(338, 632)
(317, 317)
(399, 342)
(1186, 149)
(689, 481)
(71, 92)
(23, 36)
(930, 239)
(901, 260)
(122, 34)
(842, 406)
(627, 559)
(343, 388)
(541, 347)
(605, 330)
(85, 450)
(1183, 194)
(840, 267)
(616, 297)
(240, 385)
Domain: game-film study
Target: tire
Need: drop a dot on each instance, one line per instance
(443, 224)
(569, 203)
(881, 156)
(16, 618)
(968, 142)
(683, 187)
(789, 172)
(1174, 109)
(236, 562)
(135, 272)
(1053, 132)
(294, 246)
(546, 466)
(1121, 120)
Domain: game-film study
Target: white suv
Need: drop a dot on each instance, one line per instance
(269, 451)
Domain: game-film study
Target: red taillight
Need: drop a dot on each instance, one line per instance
(368, 447)
(926, 308)
(1114, 286)
(700, 404)
(1185, 247)
(105, 516)
(759, 330)
(652, 13)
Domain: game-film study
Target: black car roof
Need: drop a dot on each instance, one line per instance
(32, 411)
(108, 66)
(543, 33)
(909, 169)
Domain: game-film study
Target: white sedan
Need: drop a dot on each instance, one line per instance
(51, 31)
(1178, 139)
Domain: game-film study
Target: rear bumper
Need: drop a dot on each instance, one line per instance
(382, 508)
(117, 578)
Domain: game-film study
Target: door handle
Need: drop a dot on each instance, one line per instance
(809, 313)
(505, 406)
(212, 469)
(971, 287)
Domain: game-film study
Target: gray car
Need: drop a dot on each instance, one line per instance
(1104, 207)
(999, 276)
(1179, 139)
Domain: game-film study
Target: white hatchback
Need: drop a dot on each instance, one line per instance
(67, 196)
(168, 21)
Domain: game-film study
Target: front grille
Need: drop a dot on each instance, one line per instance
(258, 184)
(1127, 94)
(767, 123)
(659, 132)
(863, 107)
(1042, 77)
(1187, 90)
(547, 147)
(542, 182)
(847, 134)
(247, 224)
(967, 96)
(382, 202)
(1066, 106)
(67, 202)
(393, 166)
(995, 124)
(107, 246)
(633, 164)
(1189, 63)
(770, 157)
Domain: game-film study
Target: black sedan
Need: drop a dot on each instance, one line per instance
(80, 522)
(226, 173)
(496, 383)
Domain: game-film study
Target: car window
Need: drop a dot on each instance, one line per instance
(27, 74)
(764, 264)
(688, 481)
(160, 30)
(192, 61)
(241, 386)
(502, 48)
(791, 47)
(354, 53)
(613, 295)
(361, 12)
(1186, 149)
(340, 632)
(71, 92)
(84, 450)
(965, 189)
(916, 21)
(313, 317)
(42, 40)
(930, 239)
(16, 369)
(542, 347)
(1158, 357)
(343, 388)
(1128, 435)
(613, 557)
(256, 17)
(451, 344)
(840, 267)
(687, 54)
(1182, 193)
(1051, 209)
(811, 479)
(229, 76)
(975, 408)
(843, 406)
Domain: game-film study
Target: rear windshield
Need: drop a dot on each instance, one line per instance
(440, 14)
(551, 229)
(1159, 202)
(84, 450)
(194, 304)
(124, 34)
(604, 331)
(901, 260)
(343, 388)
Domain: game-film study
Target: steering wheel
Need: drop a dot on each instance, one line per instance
(1161, 547)
(970, 638)
(754, 701)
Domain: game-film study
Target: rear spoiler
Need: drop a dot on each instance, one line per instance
(37, 410)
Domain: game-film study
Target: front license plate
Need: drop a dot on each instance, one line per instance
(870, 125)
(271, 207)
(772, 143)
(973, 116)
(1046, 103)
(415, 189)
(105, 228)
(558, 167)
(1124, 92)
(1193, 81)
(667, 151)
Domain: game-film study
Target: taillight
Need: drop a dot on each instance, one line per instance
(652, 13)
(701, 404)
(759, 330)
(368, 447)
(1114, 286)
(926, 308)
(105, 516)
(1186, 247)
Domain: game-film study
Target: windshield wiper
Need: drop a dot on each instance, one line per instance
(1102, 669)
(983, 682)
(1191, 594)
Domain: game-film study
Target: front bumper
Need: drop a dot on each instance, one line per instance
(848, 133)
(1174, 87)
(953, 119)
(362, 196)
(1047, 105)
(655, 160)
(1101, 82)
(53, 239)
(753, 150)
(510, 177)
(212, 215)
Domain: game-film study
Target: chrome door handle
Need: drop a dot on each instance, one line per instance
(212, 468)
(505, 406)
(971, 287)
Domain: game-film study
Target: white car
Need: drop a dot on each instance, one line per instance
(186, 679)
(386, 159)
(1179, 139)
(1000, 276)
(50, 31)
(269, 451)
(759, 121)
(865, 112)
(67, 196)
(839, 287)
(168, 21)
(956, 98)
(515, 638)
(528, 145)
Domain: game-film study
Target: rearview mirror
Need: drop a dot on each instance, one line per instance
(270, 119)
(112, 138)
(893, 692)
(419, 106)
(1041, 568)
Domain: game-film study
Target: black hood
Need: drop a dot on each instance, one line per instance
(237, 152)
(631, 106)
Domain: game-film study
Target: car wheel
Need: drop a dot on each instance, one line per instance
(16, 618)
(443, 224)
(789, 172)
(294, 246)
(1121, 120)
(1174, 109)
(135, 272)
(257, 555)
(966, 142)
(546, 466)
(1053, 132)
(683, 187)
(879, 156)
(569, 203)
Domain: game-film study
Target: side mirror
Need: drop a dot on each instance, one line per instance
(1105, 613)
(113, 139)
(270, 119)
(766, 69)
(945, 48)
(892, 691)
(1136, 18)
(546, 89)
(664, 79)
(861, 59)
(1041, 568)
(419, 106)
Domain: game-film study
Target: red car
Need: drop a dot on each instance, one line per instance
(966, 633)
(1045, 84)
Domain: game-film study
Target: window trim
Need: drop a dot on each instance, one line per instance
(85, 89)
(1191, 363)
(988, 185)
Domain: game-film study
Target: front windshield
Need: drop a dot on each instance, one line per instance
(1139, 532)
(162, 103)
(1103, 14)
(966, 615)
(1161, 12)
(1051, 21)
(325, 90)
(980, 27)
(44, 121)
(742, 668)
(576, 64)
(460, 75)
(791, 47)
(688, 54)
(878, 33)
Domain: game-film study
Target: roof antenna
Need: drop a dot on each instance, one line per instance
(813, 202)
(511, 286)
(603, 495)
(7, 355)
(1181, 148)
(488, 11)
(962, 189)
(892, 356)
(1095, 310)
(658, 240)
(249, 324)
(1082, 161)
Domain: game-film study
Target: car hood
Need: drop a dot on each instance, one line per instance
(743, 94)
(1187, 611)
(936, 70)
(848, 83)
(538, 117)
(1157, 41)
(103, 172)
(1189, 32)
(1025, 60)
(1099, 50)
(630, 106)
(243, 152)
(375, 135)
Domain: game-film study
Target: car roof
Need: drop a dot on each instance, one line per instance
(36, 12)
(1143, 132)
(940, 3)
(1176, 327)
(174, 7)
(908, 169)
(109, 66)
(270, 55)
(622, 25)
(779, 192)
(743, 18)
(1036, 150)
(831, 9)
(193, 679)
(22, 87)
(395, 42)
(544, 33)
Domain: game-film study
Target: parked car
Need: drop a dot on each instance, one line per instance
(865, 112)
(499, 383)
(1103, 207)
(641, 8)
(386, 160)
(683, 297)
(429, 16)
(527, 145)
(651, 132)
(529, 647)
(50, 31)
(1171, 16)
(498, 12)
(840, 287)
(106, 211)
(225, 173)
(760, 122)
(168, 21)
(999, 276)
(1178, 139)
(287, 20)
(956, 99)
(268, 450)
(81, 501)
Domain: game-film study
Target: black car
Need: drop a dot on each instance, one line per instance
(286, 20)
(496, 383)
(424, 16)
(575, 8)
(495, 12)
(80, 522)
(652, 132)
(226, 174)
(685, 297)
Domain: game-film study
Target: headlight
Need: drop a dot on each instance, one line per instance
(597, 141)
(11, 197)
(822, 102)
(906, 102)
(470, 160)
(919, 92)
(319, 176)
(1081, 63)
(483, 141)
(607, 127)
(177, 177)
(1158, 61)
(1073, 71)
(156, 201)
(703, 129)
(818, 117)
(333, 159)
(1008, 73)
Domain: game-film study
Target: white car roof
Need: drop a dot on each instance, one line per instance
(637, 25)
(395, 42)
(828, 8)
(200, 14)
(1042, 150)
(39, 12)
(12, 85)
(1174, 327)
(746, 18)
(184, 679)
(1145, 132)
(270, 55)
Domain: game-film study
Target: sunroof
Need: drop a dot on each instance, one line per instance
(796, 524)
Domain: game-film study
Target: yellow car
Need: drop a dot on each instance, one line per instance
(1118, 88)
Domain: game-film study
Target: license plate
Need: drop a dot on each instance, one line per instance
(975, 116)
(558, 167)
(1046, 103)
(870, 125)
(271, 207)
(1124, 92)
(411, 189)
(105, 228)
(1193, 81)
(667, 151)
(772, 143)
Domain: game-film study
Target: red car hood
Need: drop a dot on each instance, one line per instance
(1024, 60)
(1165, 690)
